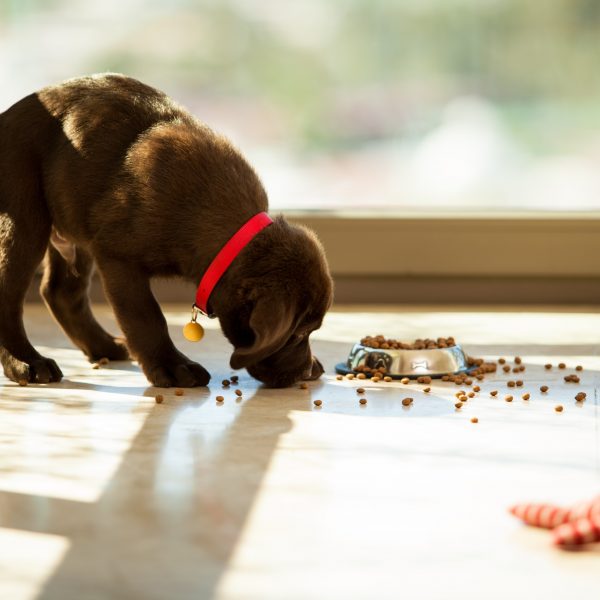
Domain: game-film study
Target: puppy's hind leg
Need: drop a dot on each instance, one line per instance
(23, 238)
(65, 291)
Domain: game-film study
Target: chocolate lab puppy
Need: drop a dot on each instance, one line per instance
(107, 170)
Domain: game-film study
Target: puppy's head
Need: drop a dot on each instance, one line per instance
(278, 295)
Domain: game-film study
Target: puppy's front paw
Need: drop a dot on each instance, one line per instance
(40, 370)
(178, 374)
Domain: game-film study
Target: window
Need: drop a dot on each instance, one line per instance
(362, 105)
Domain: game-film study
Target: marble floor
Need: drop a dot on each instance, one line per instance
(106, 494)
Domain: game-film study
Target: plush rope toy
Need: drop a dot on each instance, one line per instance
(573, 526)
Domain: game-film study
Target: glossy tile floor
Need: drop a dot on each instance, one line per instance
(106, 494)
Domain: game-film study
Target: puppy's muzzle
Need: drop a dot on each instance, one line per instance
(315, 371)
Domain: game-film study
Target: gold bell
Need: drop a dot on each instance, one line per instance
(193, 331)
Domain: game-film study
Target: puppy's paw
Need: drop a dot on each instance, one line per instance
(111, 348)
(41, 370)
(182, 374)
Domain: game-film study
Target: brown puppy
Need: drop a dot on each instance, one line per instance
(108, 170)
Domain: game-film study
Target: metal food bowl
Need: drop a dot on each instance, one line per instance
(434, 362)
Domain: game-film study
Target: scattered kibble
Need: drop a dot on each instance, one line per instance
(375, 379)
(494, 393)
(339, 377)
(544, 389)
(220, 398)
(360, 390)
(508, 398)
(510, 383)
(471, 394)
(571, 378)
(517, 360)
(362, 401)
(318, 402)
(361, 376)
(427, 390)
(458, 405)
(405, 380)
(501, 361)
(387, 379)
(23, 382)
(581, 396)
(225, 382)
(350, 376)
(407, 401)
(474, 420)
(179, 392)
(558, 408)
(547, 366)
(525, 396)
(562, 366)
(476, 389)
(506, 368)
(303, 386)
(159, 398)
(519, 383)
(234, 378)
(579, 368)
(238, 392)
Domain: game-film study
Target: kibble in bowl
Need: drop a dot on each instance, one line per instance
(381, 357)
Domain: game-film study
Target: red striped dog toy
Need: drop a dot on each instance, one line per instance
(574, 526)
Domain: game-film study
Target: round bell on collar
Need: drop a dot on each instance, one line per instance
(193, 331)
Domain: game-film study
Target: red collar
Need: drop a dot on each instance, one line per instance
(225, 257)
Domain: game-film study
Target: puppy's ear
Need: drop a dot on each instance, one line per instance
(272, 322)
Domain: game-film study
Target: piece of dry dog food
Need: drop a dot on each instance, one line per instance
(234, 378)
(360, 390)
(510, 383)
(476, 389)
(525, 396)
(362, 401)
(23, 382)
(571, 378)
(494, 393)
(562, 366)
(558, 408)
(458, 405)
(407, 401)
(547, 366)
(405, 380)
(474, 420)
(238, 392)
(579, 368)
(517, 360)
(519, 383)
(317, 402)
(544, 389)
(179, 392)
(303, 386)
(159, 398)
(427, 390)
(508, 398)
(581, 396)
(501, 361)
(506, 369)
(387, 379)
(225, 383)
(220, 398)
(339, 377)
(471, 394)
(361, 376)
